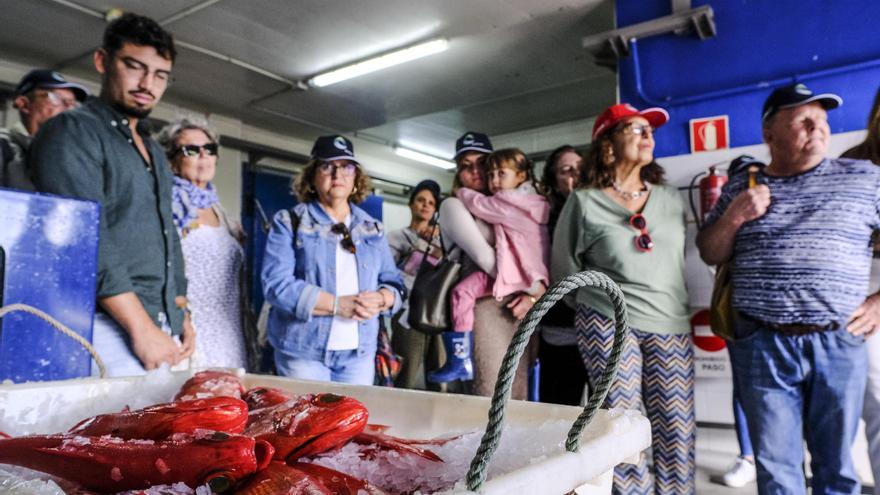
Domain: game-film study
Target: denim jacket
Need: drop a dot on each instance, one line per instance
(296, 270)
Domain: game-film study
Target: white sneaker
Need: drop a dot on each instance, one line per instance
(740, 474)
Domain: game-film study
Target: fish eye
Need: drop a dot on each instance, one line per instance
(219, 436)
(220, 484)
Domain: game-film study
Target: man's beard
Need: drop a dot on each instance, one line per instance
(120, 106)
(133, 112)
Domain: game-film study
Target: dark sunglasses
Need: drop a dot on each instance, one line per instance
(191, 150)
(347, 242)
(643, 241)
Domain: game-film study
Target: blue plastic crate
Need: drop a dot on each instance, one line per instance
(48, 259)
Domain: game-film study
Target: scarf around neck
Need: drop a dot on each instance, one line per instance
(187, 200)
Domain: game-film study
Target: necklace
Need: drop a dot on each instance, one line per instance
(629, 196)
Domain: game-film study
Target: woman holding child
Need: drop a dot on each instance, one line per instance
(493, 320)
(628, 224)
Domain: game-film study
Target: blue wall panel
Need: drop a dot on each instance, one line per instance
(832, 46)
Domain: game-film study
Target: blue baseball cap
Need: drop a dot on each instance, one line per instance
(794, 95)
(473, 141)
(333, 147)
(49, 79)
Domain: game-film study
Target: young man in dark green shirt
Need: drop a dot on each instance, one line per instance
(103, 152)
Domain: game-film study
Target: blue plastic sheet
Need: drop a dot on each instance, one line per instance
(48, 259)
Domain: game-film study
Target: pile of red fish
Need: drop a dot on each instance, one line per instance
(214, 433)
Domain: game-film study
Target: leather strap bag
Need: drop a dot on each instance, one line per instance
(722, 316)
(429, 298)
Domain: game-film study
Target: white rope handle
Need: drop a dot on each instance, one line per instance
(58, 326)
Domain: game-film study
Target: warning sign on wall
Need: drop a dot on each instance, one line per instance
(709, 133)
(710, 354)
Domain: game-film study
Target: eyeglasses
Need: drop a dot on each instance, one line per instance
(637, 129)
(643, 241)
(137, 68)
(57, 101)
(347, 243)
(191, 150)
(346, 170)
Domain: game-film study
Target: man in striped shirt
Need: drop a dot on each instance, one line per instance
(798, 241)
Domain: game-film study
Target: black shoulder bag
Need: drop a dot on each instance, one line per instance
(429, 297)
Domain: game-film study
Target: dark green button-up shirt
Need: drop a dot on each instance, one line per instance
(89, 153)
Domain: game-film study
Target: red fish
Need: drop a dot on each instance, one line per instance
(281, 479)
(305, 479)
(112, 465)
(211, 383)
(374, 438)
(308, 424)
(260, 397)
(338, 483)
(157, 422)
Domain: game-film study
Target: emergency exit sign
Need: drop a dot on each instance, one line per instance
(709, 133)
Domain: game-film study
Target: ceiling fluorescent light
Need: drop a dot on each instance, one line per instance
(424, 158)
(379, 63)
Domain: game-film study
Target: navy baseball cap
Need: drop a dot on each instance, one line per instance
(335, 147)
(426, 185)
(49, 79)
(473, 141)
(794, 95)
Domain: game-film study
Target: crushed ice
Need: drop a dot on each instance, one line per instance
(20, 483)
(405, 473)
(43, 413)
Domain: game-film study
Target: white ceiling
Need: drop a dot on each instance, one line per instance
(512, 65)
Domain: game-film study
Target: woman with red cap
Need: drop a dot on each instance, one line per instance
(626, 223)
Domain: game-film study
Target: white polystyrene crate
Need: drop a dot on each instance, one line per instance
(612, 437)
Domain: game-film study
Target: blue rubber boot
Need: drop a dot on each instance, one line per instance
(458, 364)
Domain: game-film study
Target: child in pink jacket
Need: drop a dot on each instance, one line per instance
(519, 215)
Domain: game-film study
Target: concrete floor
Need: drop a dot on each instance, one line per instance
(717, 449)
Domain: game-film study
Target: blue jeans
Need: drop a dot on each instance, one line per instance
(739, 418)
(114, 347)
(337, 366)
(794, 387)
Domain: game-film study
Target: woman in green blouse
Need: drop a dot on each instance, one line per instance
(628, 224)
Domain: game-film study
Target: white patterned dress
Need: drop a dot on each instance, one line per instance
(213, 262)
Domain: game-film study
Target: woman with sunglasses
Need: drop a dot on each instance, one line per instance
(211, 244)
(626, 223)
(328, 273)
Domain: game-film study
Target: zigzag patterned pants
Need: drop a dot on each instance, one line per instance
(656, 375)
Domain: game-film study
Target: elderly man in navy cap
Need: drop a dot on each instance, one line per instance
(39, 96)
(797, 237)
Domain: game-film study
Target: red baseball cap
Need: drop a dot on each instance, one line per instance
(615, 113)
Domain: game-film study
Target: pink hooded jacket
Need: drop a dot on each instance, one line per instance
(522, 240)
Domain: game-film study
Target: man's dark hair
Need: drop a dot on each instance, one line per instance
(138, 30)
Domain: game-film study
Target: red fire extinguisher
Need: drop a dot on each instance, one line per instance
(710, 191)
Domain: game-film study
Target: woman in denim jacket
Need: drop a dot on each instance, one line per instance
(328, 273)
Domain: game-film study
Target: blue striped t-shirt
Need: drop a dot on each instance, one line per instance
(807, 260)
